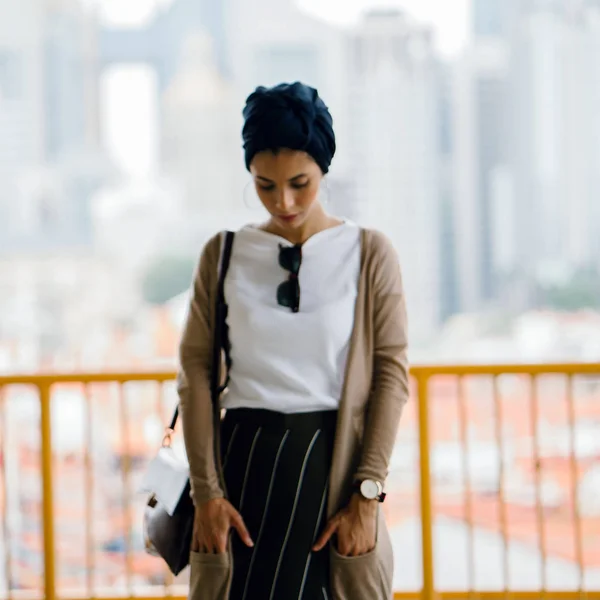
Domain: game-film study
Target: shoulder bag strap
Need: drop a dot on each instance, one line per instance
(221, 337)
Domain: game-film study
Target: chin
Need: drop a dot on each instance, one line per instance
(290, 223)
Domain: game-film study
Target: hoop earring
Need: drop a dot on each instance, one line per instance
(248, 201)
(324, 186)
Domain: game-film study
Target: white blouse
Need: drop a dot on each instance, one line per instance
(284, 361)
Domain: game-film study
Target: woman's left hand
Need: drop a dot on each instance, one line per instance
(355, 526)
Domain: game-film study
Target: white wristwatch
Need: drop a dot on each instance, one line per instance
(371, 489)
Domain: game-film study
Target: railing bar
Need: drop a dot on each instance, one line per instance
(89, 493)
(428, 592)
(415, 595)
(499, 423)
(422, 370)
(5, 526)
(506, 369)
(538, 483)
(100, 377)
(575, 483)
(47, 491)
(468, 504)
(169, 579)
(125, 470)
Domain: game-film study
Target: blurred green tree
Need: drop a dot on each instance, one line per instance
(581, 291)
(166, 277)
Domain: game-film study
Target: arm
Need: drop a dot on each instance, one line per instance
(355, 524)
(390, 387)
(193, 383)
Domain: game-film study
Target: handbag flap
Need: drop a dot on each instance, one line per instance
(167, 477)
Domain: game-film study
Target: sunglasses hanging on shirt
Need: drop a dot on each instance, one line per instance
(288, 292)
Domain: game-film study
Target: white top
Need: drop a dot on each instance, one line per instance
(284, 361)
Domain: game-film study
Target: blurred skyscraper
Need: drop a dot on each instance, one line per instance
(527, 139)
(483, 196)
(493, 18)
(396, 151)
(22, 107)
(47, 122)
(201, 145)
(447, 248)
(556, 158)
(160, 41)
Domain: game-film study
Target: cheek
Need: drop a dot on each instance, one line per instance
(267, 199)
(307, 196)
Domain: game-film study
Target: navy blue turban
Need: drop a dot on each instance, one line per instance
(288, 116)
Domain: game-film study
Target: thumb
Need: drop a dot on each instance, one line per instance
(239, 525)
(326, 535)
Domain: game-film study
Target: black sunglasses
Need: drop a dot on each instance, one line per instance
(288, 292)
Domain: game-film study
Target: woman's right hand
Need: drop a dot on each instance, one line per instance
(212, 522)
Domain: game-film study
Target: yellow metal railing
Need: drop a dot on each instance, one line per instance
(424, 379)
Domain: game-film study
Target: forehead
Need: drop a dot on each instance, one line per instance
(282, 164)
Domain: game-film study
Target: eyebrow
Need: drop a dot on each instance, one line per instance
(294, 178)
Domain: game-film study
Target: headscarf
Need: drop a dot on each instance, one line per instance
(289, 116)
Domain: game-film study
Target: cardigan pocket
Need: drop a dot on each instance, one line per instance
(365, 576)
(358, 577)
(209, 576)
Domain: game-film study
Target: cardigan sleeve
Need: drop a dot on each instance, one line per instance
(193, 382)
(390, 386)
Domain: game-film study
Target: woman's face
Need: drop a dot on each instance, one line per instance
(287, 183)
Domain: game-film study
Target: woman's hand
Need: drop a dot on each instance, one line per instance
(355, 526)
(212, 522)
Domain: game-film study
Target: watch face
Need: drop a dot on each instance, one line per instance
(369, 489)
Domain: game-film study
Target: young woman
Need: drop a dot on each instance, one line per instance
(288, 486)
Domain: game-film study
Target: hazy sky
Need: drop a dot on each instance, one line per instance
(448, 17)
(127, 91)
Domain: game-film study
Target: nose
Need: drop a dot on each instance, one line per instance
(285, 201)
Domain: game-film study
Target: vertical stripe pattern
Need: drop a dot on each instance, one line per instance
(248, 465)
(229, 444)
(277, 476)
(262, 523)
(318, 522)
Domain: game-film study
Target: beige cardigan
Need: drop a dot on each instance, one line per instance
(374, 393)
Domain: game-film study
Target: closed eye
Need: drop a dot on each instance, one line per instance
(271, 187)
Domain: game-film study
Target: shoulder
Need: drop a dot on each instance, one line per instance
(209, 257)
(212, 247)
(381, 259)
(378, 246)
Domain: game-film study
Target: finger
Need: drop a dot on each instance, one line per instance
(240, 527)
(195, 543)
(221, 545)
(343, 547)
(326, 535)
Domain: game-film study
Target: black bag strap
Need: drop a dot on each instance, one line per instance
(221, 332)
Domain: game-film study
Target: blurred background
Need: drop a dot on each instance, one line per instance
(468, 131)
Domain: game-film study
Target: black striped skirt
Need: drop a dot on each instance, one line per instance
(276, 469)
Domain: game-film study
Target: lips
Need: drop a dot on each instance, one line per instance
(287, 218)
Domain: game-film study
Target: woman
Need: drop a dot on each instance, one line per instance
(287, 488)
